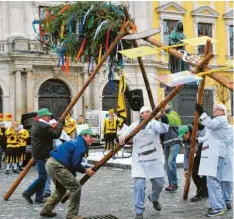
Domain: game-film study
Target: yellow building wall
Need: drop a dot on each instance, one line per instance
(188, 21)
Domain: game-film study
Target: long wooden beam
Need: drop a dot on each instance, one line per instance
(222, 80)
(217, 77)
(145, 77)
(70, 106)
(195, 123)
(100, 163)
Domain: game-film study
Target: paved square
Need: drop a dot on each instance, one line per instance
(110, 191)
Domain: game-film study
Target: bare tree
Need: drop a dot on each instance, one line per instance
(222, 94)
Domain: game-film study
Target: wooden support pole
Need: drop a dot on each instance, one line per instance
(195, 123)
(70, 106)
(19, 179)
(142, 67)
(137, 129)
(217, 77)
(147, 85)
(100, 163)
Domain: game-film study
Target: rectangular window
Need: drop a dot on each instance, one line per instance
(168, 26)
(231, 29)
(42, 13)
(208, 101)
(204, 30)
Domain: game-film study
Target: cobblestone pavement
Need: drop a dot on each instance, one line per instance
(110, 191)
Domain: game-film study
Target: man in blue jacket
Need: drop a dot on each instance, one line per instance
(62, 166)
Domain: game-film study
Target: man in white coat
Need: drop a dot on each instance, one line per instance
(214, 152)
(147, 160)
(227, 176)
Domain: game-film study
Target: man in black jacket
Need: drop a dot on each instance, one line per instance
(42, 135)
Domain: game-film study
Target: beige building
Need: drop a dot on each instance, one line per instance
(30, 78)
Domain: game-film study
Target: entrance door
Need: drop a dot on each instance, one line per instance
(110, 99)
(54, 95)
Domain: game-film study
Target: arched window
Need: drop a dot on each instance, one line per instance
(54, 95)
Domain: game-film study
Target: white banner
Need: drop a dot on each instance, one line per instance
(147, 157)
(209, 157)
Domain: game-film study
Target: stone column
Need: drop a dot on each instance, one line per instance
(29, 90)
(86, 93)
(18, 95)
(5, 103)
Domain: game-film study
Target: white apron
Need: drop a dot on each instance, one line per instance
(227, 174)
(209, 156)
(147, 155)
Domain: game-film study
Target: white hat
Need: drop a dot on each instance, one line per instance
(145, 108)
(52, 122)
(222, 107)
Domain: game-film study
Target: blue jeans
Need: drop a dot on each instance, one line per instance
(48, 185)
(139, 192)
(227, 191)
(38, 185)
(170, 154)
(215, 192)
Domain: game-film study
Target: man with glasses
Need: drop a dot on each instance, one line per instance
(213, 155)
(42, 135)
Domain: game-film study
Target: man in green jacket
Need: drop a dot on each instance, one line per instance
(171, 145)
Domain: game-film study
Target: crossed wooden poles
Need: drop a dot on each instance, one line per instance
(202, 66)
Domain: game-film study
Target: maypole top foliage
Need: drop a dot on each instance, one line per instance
(83, 31)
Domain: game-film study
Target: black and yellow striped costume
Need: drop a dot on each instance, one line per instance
(23, 135)
(110, 132)
(13, 146)
(70, 127)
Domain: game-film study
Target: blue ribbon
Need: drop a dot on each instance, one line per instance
(61, 56)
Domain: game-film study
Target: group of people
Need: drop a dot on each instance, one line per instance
(163, 136)
(13, 143)
(213, 166)
(58, 159)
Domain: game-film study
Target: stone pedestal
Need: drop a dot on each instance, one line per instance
(184, 103)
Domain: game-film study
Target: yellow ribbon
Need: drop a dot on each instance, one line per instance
(213, 71)
(100, 53)
(62, 30)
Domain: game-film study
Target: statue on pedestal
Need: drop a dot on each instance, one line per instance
(174, 64)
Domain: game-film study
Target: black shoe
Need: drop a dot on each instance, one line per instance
(157, 206)
(21, 168)
(47, 194)
(16, 171)
(40, 201)
(7, 171)
(139, 216)
(196, 199)
(214, 213)
(47, 214)
(229, 206)
(27, 198)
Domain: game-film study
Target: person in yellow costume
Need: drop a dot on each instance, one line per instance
(109, 130)
(70, 126)
(12, 150)
(23, 136)
(8, 120)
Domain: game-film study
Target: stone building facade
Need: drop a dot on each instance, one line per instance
(30, 78)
